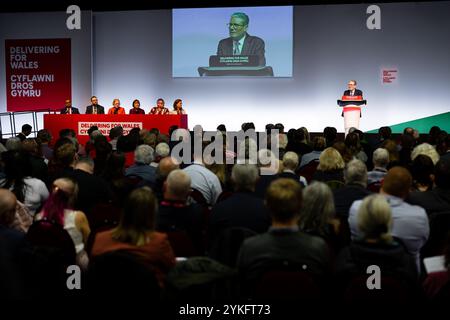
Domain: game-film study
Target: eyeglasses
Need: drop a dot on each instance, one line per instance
(235, 25)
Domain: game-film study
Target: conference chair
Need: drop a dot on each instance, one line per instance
(120, 276)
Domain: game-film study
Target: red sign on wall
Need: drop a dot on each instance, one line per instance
(38, 74)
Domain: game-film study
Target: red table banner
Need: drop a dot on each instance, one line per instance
(81, 123)
(38, 74)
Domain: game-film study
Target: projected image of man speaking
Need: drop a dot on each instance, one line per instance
(240, 42)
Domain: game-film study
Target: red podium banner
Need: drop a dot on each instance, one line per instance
(351, 98)
(81, 123)
(38, 74)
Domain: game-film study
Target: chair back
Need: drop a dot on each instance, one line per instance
(181, 244)
(308, 170)
(121, 275)
(439, 231)
(285, 281)
(44, 233)
(226, 245)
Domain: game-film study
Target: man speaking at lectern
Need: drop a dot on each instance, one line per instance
(352, 91)
(240, 42)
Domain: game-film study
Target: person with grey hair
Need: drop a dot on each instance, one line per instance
(242, 209)
(317, 213)
(240, 42)
(162, 150)
(177, 214)
(355, 177)
(376, 246)
(143, 156)
(290, 164)
(13, 144)
(425, 149)
(380, 163)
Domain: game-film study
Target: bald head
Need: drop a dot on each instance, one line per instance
(397, 182)
(7, 207)
(166, 165)
(178, 185)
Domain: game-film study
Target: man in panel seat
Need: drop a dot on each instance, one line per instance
(68, 109)
(240, 42)
(95, 108)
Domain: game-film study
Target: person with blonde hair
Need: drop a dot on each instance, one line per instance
(410, 223)
(376, 246)
(331, 166)
(426, 150)
(116, 108)
(136, 233)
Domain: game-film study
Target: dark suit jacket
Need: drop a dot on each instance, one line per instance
(252, 46)
(391, 258)
(357, 93)
(92, 190)
(344, 197)
(259, 252)
(290, 175)
(176, 216)
(100, 109)
(242, 209)
(433, 201)
(74, 110)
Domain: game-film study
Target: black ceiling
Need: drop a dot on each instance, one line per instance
(114, 5)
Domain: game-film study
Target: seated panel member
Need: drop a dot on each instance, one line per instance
(178, 107)
(116, 108)
(159, 109)
(68, 109)
(95, 108)
(136, 108)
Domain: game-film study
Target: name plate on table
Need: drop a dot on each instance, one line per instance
(233, 61)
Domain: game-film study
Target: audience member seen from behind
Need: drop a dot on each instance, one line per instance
(317, 216)
(331, 166)
(283, 243)
(410, 223)
(376, 246)
(30, 191)
(59, 208)
(136, 233)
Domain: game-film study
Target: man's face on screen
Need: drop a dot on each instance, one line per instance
(94, 101)
(160, 104)
(68, 103)
(351, 85)
(237, 28)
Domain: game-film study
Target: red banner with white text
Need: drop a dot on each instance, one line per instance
(38, 74)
